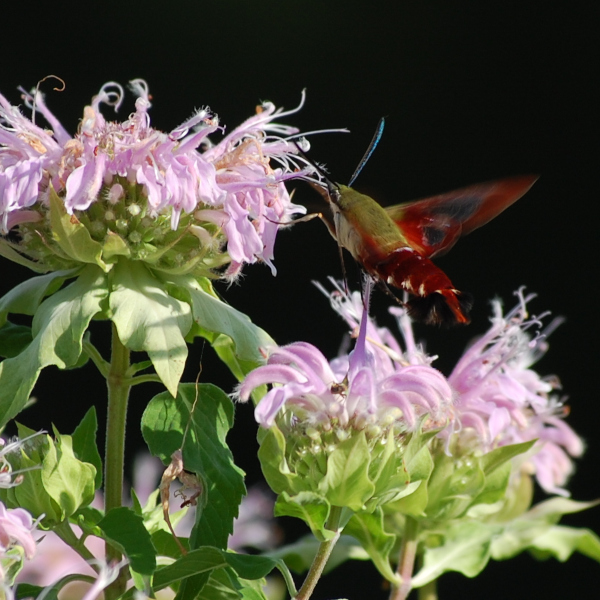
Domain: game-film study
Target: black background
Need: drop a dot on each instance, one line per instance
(471, 90)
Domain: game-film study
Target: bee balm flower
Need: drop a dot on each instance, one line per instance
(141, 193)
(345, 423)
(504, 401)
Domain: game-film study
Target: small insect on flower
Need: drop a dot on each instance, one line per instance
(394, 245)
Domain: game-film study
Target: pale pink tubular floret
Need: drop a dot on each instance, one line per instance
(16, 526)
(182, 172)
(363, 395)
(506, 402)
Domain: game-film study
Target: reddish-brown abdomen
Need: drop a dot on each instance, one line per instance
(436, 299)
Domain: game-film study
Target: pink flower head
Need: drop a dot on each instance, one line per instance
(374, 387)
(506, 402)
(232, 192)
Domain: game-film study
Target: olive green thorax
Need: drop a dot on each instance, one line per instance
(360, 219)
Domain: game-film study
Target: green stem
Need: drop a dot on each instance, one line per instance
(322, 556)
(119, 385)
(429, 591)
(66, 534)
(406, 562)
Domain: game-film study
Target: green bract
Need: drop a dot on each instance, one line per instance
(109, 230)
(316, 471)
(58, 483)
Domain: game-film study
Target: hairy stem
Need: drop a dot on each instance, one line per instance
(406, 562)
(322, 556)
(119, 385)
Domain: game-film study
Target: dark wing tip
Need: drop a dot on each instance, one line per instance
(444, 307)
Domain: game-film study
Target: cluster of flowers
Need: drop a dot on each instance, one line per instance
(492, 397)
(155, 191)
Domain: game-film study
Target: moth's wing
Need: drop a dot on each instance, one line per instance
(433, 225)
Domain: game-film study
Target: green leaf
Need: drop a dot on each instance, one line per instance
(561, 542)
(73, 237)
(26, 591)
(494, 488)
(14, 339)
(496, 458)
(465, 548)
(84, 443)
(7, 250)
(58, 328)
(271, 455)
(347, 482)
(453, 485)
(312, 508)
(205, 452)
(67, 480)
(249, 566)
(211, 562)
(122, 527)
(222, 585)
(165, 543)
(25, 298)
(522, 533)
(56, 485)
(113, 246)
(554, 508)
(368, 529)
(148, 319)
(197, 562)
(212, 314)
(419, 466)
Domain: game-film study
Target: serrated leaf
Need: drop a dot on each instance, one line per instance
(57, 329)
(368, 529)
(205, 452)
(465, 549)
(347, 482)
(84, 443)
(148, 319)
(126, 530)
(312, 508)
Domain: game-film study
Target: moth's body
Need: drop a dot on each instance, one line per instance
(394, 244)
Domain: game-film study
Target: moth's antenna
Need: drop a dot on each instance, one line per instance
(376, 137)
